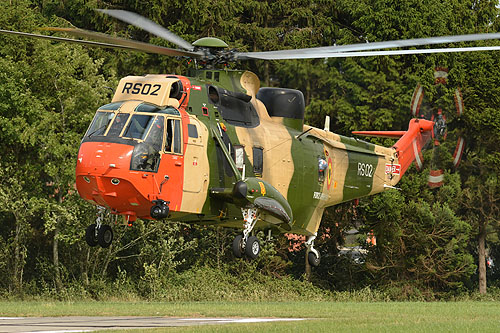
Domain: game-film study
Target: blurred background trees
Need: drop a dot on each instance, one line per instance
(435, 241)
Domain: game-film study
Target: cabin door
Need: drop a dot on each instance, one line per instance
(196, 167)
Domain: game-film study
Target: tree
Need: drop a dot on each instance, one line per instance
(481, 201)
(420, 241)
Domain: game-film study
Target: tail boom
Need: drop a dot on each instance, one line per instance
(409, 146)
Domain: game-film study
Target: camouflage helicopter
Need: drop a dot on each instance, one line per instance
(216, 148)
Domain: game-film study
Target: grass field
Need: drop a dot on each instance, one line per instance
(325, 316)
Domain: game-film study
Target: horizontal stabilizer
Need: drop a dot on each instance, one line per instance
(381, 134)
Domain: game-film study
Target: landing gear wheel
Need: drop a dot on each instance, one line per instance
(105, 236)
(90, 236)
(237, 246)
(252, 248)
(313, 259)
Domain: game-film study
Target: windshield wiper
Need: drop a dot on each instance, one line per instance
(100, 128)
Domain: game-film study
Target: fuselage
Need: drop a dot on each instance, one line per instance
(157, 140)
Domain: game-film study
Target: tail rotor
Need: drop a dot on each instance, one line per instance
(447, 125)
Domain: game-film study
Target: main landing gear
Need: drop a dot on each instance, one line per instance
(313, 256)
(246, 244)
(98, 233)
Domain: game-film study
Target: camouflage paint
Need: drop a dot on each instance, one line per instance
(291, 152)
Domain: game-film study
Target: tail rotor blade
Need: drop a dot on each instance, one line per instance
(459, 102)
(436, 175)
(416, 100)
(459, 150)
(436, 178)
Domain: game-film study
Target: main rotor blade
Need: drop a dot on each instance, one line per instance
(128, 43)
(68, 40)
(318, 52)
(149, 26)
(292, 54)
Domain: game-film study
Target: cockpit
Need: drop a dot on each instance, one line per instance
(153, 131)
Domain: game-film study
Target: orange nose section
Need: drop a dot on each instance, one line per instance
(103, 176)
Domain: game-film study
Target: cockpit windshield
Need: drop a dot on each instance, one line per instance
(118, 124)
(138, 126)
(100, 123)
(151, 134)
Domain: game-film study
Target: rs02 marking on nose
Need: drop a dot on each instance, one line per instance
(139, 88)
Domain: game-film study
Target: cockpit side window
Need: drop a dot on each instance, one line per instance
(155, 136)
(258, 161)
(100, 123)
(177, 136)
(170, 135)
(173, 143)
(146, 155)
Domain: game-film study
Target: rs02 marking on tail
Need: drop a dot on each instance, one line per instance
(365, 170)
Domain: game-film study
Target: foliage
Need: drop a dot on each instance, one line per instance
(426, 239)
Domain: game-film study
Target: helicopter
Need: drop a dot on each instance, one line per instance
(213, 147)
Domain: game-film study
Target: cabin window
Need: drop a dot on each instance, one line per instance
(100, 123)
(118, 124)
(322, 166)
(239, 157)
(192, 131)
(258, 161)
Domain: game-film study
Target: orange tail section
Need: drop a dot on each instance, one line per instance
(411, 142)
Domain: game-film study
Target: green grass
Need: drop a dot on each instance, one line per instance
(328, 316)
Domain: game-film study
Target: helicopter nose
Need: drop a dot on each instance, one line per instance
(103, 176)
(102, 157)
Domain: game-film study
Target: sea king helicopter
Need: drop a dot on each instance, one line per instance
(216, 148)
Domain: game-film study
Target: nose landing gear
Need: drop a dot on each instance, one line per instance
(246, 244)
(98, 233)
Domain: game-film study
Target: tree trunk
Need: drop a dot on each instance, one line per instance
(16, 283)
(85, 268)
(308, 268)
(55, 259)
(482, 258)
(19, 256)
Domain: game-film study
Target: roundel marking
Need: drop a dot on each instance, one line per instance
(329, 176)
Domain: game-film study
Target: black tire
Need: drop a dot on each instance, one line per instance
(105, 236)
(90, 236)
(237, 248)
(252, 248)
(313, 259)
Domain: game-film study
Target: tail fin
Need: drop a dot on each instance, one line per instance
(409, 146)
